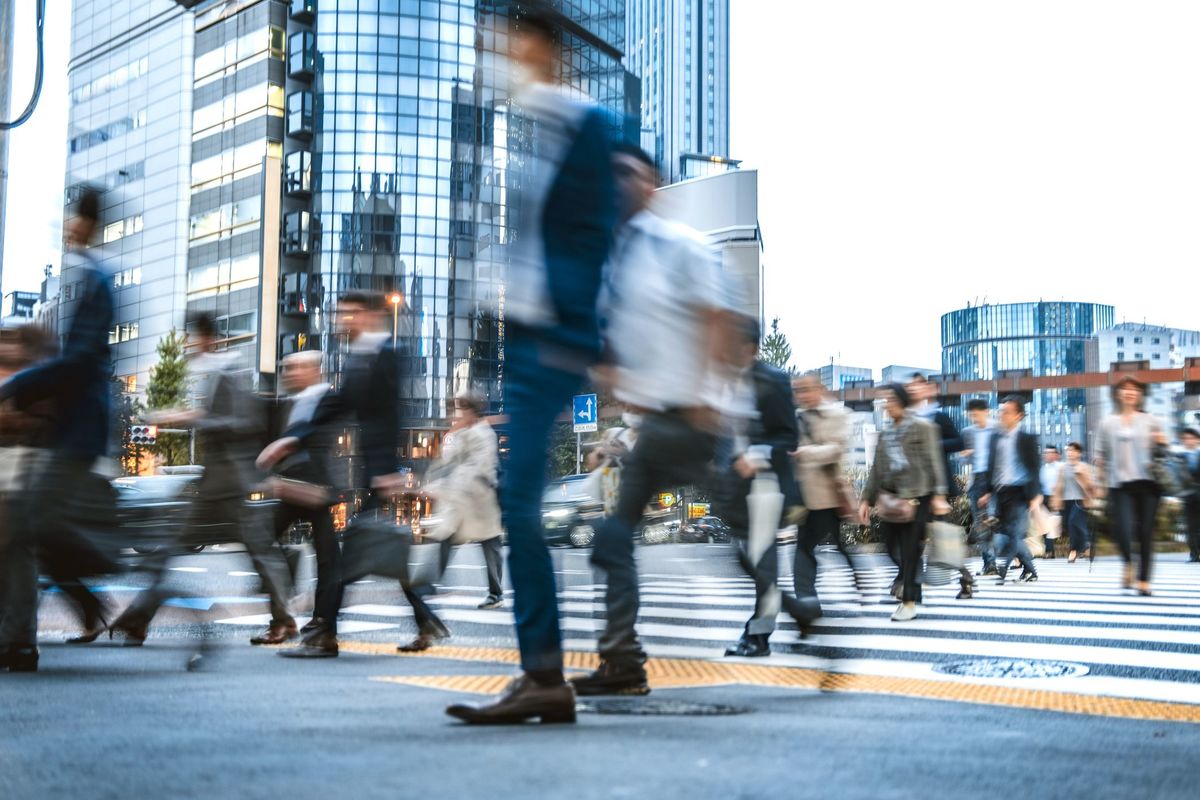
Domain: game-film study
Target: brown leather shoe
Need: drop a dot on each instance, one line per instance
(277, 633)
(522, 700)
(319, 645)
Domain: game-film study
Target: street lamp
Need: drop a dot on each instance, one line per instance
(395, 299)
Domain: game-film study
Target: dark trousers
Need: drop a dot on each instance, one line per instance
(493, 559)
(1075, 522)
(1013, 510)
(539, 383)
(225, 518)
(1134, 509)
(18, 581)
(977, 490)
(1192, 518)
(328, 597)
(819, 526)
(669, 452)
(909, 541)
(428, 622)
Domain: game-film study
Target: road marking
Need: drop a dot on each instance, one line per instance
(188, 569)
(241, 574)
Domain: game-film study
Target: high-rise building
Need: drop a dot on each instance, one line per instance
(680, 50)
(1044, 338)
(1154, 347)
(837, 376)
(130, 122)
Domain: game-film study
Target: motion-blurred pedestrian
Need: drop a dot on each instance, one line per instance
(977, 439)
(1190, 439)
(1013, 479)
(1074, 489)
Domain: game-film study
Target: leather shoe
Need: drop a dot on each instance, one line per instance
(613, 679)
(21, 658)
(318, 645)
(492, 601)
(523, 700)
(313, 625)
(277, 633)
(751, 645)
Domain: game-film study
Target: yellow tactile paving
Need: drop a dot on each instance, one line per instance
(667, 673)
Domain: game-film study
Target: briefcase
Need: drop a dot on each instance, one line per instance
(375, 546)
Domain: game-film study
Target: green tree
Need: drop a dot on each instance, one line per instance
(775, 349)
(168, 389)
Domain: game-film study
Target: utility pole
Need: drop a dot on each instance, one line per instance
(6, 58)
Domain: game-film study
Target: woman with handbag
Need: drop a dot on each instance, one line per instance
(1131, 443)
(1073, 491)
(906, 486)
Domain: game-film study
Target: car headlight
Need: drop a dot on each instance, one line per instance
(557, 513)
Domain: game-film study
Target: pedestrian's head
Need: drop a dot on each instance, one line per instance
(808, 390)
(534, 44)
(85, 218)
(747, 334)
(921, 389)
(636, 178)
(1050, 454)
(1012, 411)
(1129, 393)
(977, 410)
(1074, 452)
(470, 406)
(201, 331)
(298, 371)
(897, 399)
(360, 311)
(1190, 437)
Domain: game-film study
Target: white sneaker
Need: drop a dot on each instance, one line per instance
(905, 612)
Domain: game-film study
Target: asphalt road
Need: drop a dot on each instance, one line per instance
(105, 721)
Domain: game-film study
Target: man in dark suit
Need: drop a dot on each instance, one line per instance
(565, 217)
(76, 384)
(1013, 478)
(228, 425)
(369, 399)
(1190, 439)
(765, 441)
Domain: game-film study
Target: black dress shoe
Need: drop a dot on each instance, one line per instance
(990, 569)
(21, 658)
(492, 601)
(523, 700)
(318, 645)
(610, 678)
(1028, 577)
(314, 624)
(1001, 574)
(750, 646)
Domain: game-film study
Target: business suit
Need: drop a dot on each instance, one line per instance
(974, 440)
(820, 457)
(952, 442)
(919, 477)
(567, 217)
(1012, 500)
(76, 385)
(1191, 462)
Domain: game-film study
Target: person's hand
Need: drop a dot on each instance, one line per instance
(1161, 438)
(983, 501)
(276, 451)
(864, 514)
(940, 507)
(966, 453)
(744, 468)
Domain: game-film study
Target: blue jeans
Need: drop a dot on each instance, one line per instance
(974, 492)
(539, 384)
(1013, 510)
(1076, 522)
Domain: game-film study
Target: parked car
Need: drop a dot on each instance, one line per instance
(151, 509)
(571, 512)
(704, 529)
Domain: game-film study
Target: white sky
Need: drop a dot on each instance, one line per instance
(915, 156)
(912, 156)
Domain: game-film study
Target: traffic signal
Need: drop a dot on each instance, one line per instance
(143, 434)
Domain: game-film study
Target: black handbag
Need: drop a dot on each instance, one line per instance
(372, 545)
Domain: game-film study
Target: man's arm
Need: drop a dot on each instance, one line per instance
(832, 449)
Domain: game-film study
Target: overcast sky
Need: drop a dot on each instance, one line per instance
(913, 157)
(917, 156)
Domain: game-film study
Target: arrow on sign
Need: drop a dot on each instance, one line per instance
(586, 414)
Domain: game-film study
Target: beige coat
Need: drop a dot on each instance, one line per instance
(463, 486)
(824, 437)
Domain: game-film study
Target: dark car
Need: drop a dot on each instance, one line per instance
(571, 512)
(704, 529)
(151, 509)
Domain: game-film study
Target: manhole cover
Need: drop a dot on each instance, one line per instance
(1012, 668)
(658, 708)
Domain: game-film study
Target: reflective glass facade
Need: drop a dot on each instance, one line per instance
(1046, 338)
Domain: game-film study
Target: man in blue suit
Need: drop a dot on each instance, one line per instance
(76, 385)
(565, 218)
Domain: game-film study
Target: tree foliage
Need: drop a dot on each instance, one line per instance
(168, 389)
(775, 349)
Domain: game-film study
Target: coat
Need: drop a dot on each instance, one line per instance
(463, 484)
(1027, 452)
(925, 474)
(824, 433)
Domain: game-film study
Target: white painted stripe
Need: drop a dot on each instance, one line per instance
(188, 569)
(241, 574)
(346, 626)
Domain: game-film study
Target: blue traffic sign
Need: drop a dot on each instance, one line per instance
(584, 413)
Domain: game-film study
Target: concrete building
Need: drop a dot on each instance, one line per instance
(130, 122)
(19, 308)
(725, 208)
(1152, 346)
(894, 373)
(836, 376)
(680, 51)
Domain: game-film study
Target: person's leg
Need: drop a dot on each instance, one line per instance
(1121, 509)
(817, 527)
(1004, 534)
(1147, 518)
(1020, 517)
(767, 599)
(974, 493)
(256, 532)
(912, 541)
(493, 558)
(18, 589)
(328, 599)
(1192, 512)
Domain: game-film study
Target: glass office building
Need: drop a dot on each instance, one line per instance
(1046, 338)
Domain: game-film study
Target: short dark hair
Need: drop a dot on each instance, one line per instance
(977, 404)
(918, 378)
(1076, 446)
(749, 329)
(1052, 448)
(371, 301)
(202, 323)
(88, 205)
(535, 17)
(902, 395)
(1126, 381)
(633, 151)
(1017, 402)
(1190, 432)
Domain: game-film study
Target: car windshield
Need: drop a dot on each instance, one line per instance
(155, 487)
(568, 490)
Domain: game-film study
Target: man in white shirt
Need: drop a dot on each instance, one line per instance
(665, 315)
(1048, 477)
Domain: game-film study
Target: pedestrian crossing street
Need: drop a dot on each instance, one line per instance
(1113, 642)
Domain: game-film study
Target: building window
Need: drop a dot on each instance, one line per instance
(1137, 356)
(122, 228)
(1120, 340)
(1155, 340)
(108, 132)
(299, 172)
(130, 382)
(277, 38)
(127, 277)
(1137, 340)
(300, 115)
(113, 80)
(124, 332)
(297, 233)
(302, 54)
